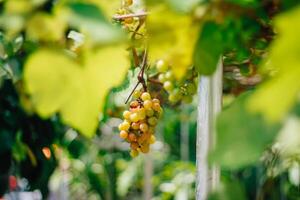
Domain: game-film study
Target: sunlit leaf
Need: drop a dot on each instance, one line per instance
(209, 48)
(171, 37)
(45, 27)
(58, 84)
(242, 137)
(276, 97)
(90, 19)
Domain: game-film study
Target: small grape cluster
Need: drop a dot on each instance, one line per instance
(126, 10)
(139, 122)
(178, 90)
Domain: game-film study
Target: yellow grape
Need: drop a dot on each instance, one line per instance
(162, 78)
(124, 126)
(152, 121)
(123, 135)
(144, 127)
(126, 114)
(145, 148)
(145, 96)
(134, 104)
(169, 75)
(137, 94)
(134, 153)
(135, 126)
(128, 2)
(134, 117)
(141, 113)
(147, 104)
(156, 107)
(152, 139)
(149, 113)
(168, 85)
(161, 66)
(155, 101)
(128, 20)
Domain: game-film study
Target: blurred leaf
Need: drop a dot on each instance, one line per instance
(245, 2)
(46, 27)
(229, 190)
(90, 19)
(183, 6)
(171, 37)
(242, 137)
(128, 176)
(209, 48)
(58, 84)
(284, 60)
(19, 149)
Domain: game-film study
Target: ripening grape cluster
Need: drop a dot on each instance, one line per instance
(139, 122)
(126, 10)
(178, 91)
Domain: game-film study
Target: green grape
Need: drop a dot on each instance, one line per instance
(134, 153)
(187, 99)
(169, 75)
(144, 127)
(168, 85)
(152, 121)
(147, 104)
(141, 113)
(126, 114)
(162, 78)
(136, 94)
(191, 88)
(124, 126)
(149, 113)
(161, 66)
(145, 96)
(134, 117)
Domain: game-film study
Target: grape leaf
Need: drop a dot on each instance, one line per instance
(284, 60)
(58, 84)
(90, 19)
(208, 49)
(170, 39)
(242, 136)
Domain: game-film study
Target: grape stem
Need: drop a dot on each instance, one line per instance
(141, 79)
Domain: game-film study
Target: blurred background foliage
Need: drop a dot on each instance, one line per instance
(62, 95)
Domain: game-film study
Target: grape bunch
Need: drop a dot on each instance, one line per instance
(139, 122)
(178, 91)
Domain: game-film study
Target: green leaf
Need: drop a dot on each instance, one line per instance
(229, 190)
(57, 83)
(277, 96)
(171, 40)
(90, 19)
(242, 136)
(183, 6)
(208, 49)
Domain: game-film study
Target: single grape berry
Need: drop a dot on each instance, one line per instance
(123, 135)
(134, 153)
(128, 2)
(168, 85)
(147, 104)
(161, 66)
(145, 96)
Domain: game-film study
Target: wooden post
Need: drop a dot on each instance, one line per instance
(209, 105)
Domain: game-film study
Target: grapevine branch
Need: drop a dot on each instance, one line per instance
(141, 79)
(120, 17)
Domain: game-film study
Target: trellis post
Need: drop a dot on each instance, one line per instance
(209, 105)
